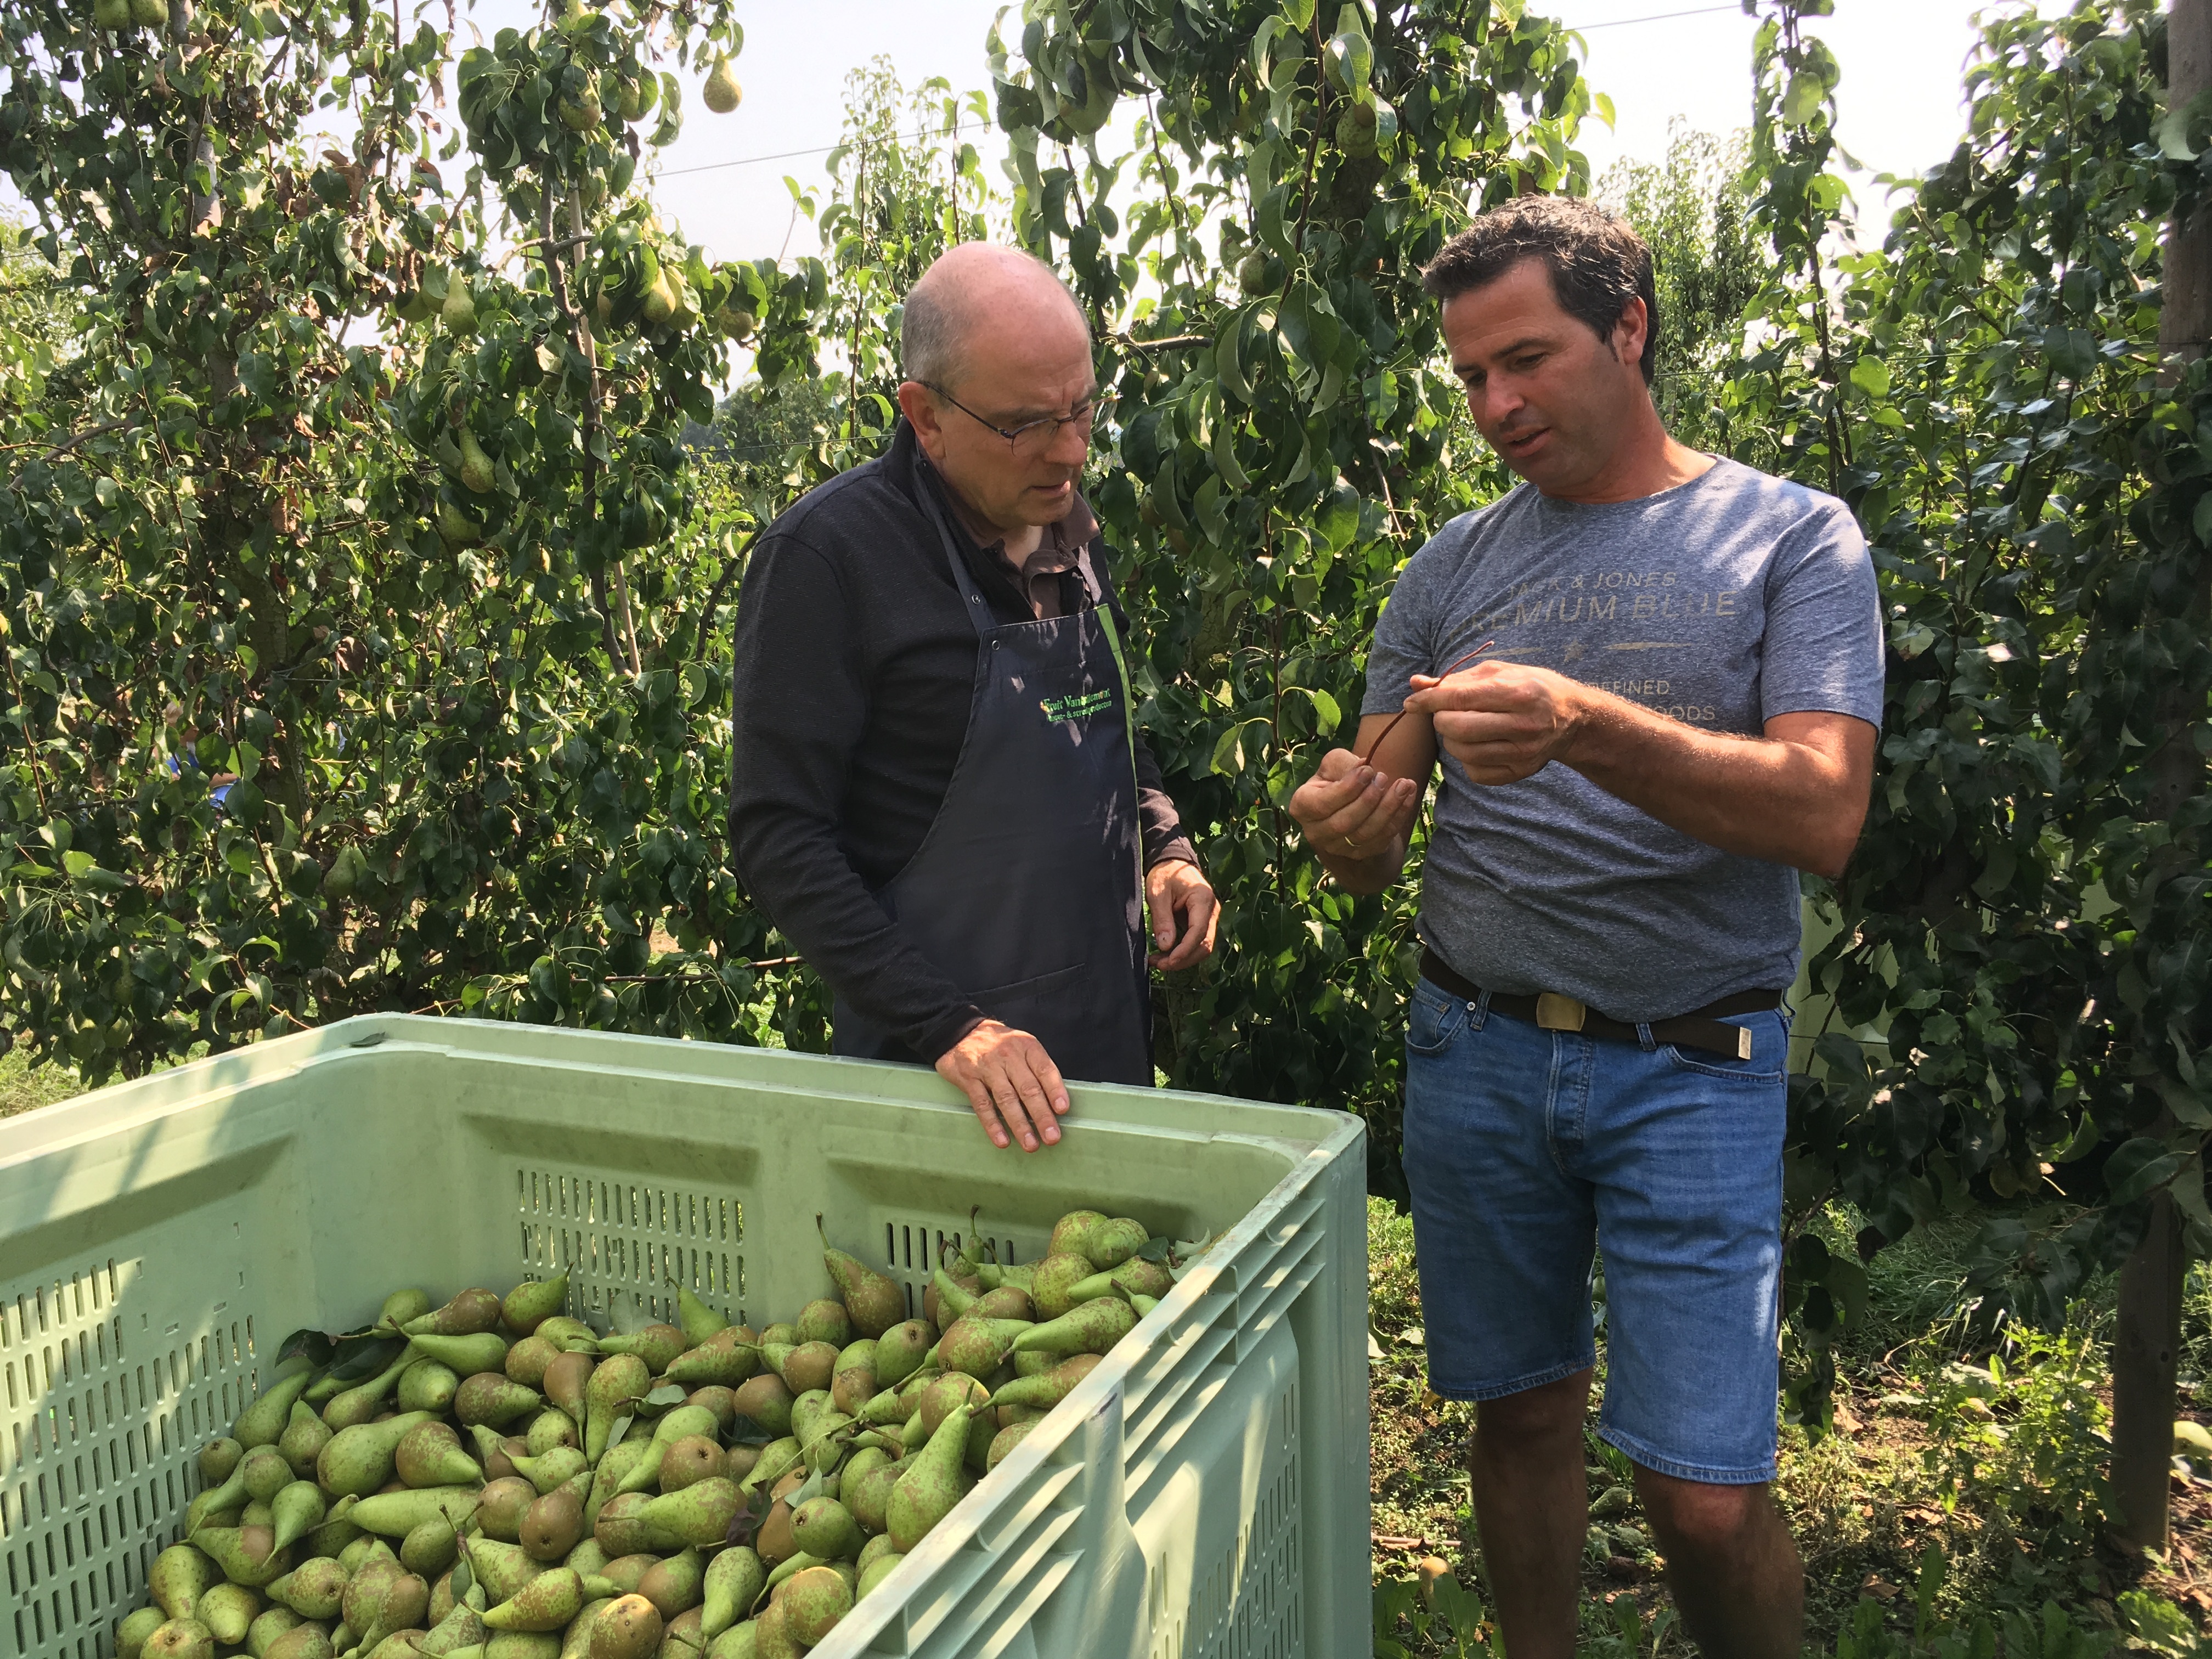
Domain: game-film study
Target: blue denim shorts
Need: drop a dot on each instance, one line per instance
(1527, 1150)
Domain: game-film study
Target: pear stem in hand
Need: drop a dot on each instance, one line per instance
(1384, 734)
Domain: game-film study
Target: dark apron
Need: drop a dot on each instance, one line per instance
(1028, 891)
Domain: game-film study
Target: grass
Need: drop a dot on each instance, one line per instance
(1954, 1492)
(24, 1087)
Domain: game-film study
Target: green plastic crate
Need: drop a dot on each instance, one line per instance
(1204, 1494)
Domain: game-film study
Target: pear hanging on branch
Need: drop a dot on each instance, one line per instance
(722, 93)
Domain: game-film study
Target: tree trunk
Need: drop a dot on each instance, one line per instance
(2149, 1331)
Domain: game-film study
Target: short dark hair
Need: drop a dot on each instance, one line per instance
(1598, 264)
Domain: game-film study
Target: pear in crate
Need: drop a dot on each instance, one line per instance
(630, 1627)
(428, 1385)
(227, 1611)
(867, 1493)
(1090, 1327)
(267, 1624)
(530, 1304)
(875, 1572)
(248, 1555)
(548, 1602)
(180, 1639)
(501, 1506)
(462, 1626)
(954, 1389)
(397, 1513)
(873, 1302)
(484, 1351)
(698, 1320)
(656, 1345)
(430, 1454)
(1047, 1390)
(977, 1345)
(874, 1551)
(518, 1644)
(313, 1590)
(766, 1400)
(566, 1379)
(607, 1478)
(430, 1548)
(219, 1458)
(359, 1460)
(1003, 1442)
(628, 1572)
(1052, 1290)
(899, 1351)
(553, 1525)
(296, 1512)
(774, 1539)
(682, 1639)
(825, 1321)
(551, 1428)
(553, 1469)
(576, 1640)
(616, 1386)
(621, 1527)
(402, 1306)
(307, 1641)
(362, 1403)
(733, 1582)
(216, 1502)
(1071, 1234)
(816, 1600)
(1007, 1302)
(809, 1366)
(262, 1423)
(131, 1635)
(777, 1459)
(714, 1363)
(304, 1438)
(502, 1569)
(528, 1360)
(938, 1481)
(688, 1462)
(473, 1311)
(489, 1398)
(954, 1295)
(773, 1637)
(824, 1527)
(675, 1584)
(699, 1515)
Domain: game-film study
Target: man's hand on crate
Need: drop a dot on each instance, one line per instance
(1011, 1082)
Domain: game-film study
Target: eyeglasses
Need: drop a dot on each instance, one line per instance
(1038, 435)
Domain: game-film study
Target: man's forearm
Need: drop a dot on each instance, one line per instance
(1791, 803)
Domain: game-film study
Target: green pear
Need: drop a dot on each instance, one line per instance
(978, 1347)
(716, 1366)
(777, 1459)
(296, 1510)
(824, 1526)
(528, 1360)
(621, 1528)
(365, 1549)
(113, 14)
(927, 1492)
(313, 1590)
(1137, 1276)
(430, 1454)
(991, 1276)
(616, 1386)
(1110, 1243)
(131, 1635)
(571, 1335)
(698, 1320)
(809, 1366)
(951, 1389)
(876, 1571)
(722, 94)
(912, 1435)
(364, 1400)
(816, 1600)
(780, 1331)
(501, 1568)
(396, 1514)
(766, 1400)
(303, 1439)
(531, 1303)
(548, 1601)
(1071, 1234)
(516, 1644)
(359, 1460)
(248, 1555)
(825, 1320)
(613, 1469)
(430, 1548)
(656, 1345)
(1056, 1277)
(1090, 1327)
(489, 1398)
(219, 1459)
(676, 1584)
(474, 1311)
(1003, 1442)
(560, 1464)
(262, 1423)
(265, 1473)
(469, 1352)
(899, 1352)
(738, 1642)
(477, 473)
(427, 1385)
(462, 1626)
(734, 1580)
(554, 1525)
(876, 1549)
(1047, 1390)
(337, 1532)
(458, 312)
(628, 1628)
(402, 1308)
(661, 300)
(267, 1624)
(567, 1376)
(178, 1638)
(774, 1638)
(576, 1640)
(180, 1577)
(699, 1515)
(224, 1499)
(307, 1641)
(228, 1612)
(953, 1300)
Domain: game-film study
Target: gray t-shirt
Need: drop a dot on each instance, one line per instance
(1722, 603)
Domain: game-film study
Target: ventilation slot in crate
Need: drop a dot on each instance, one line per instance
(630, 1241)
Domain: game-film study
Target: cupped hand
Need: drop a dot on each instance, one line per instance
(1011, 1082)
(1349, 810)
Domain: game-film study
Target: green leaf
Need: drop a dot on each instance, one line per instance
(1871, 376)
(1801, 99)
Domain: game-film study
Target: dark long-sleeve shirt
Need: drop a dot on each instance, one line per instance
(856, 666)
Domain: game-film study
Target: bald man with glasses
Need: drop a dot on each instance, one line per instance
(940, 796)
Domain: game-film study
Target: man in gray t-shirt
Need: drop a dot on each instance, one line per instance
(1653, 680)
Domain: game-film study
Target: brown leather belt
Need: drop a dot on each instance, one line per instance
(1701, 1028)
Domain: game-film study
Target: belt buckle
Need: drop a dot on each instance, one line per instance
(1555, 1013)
